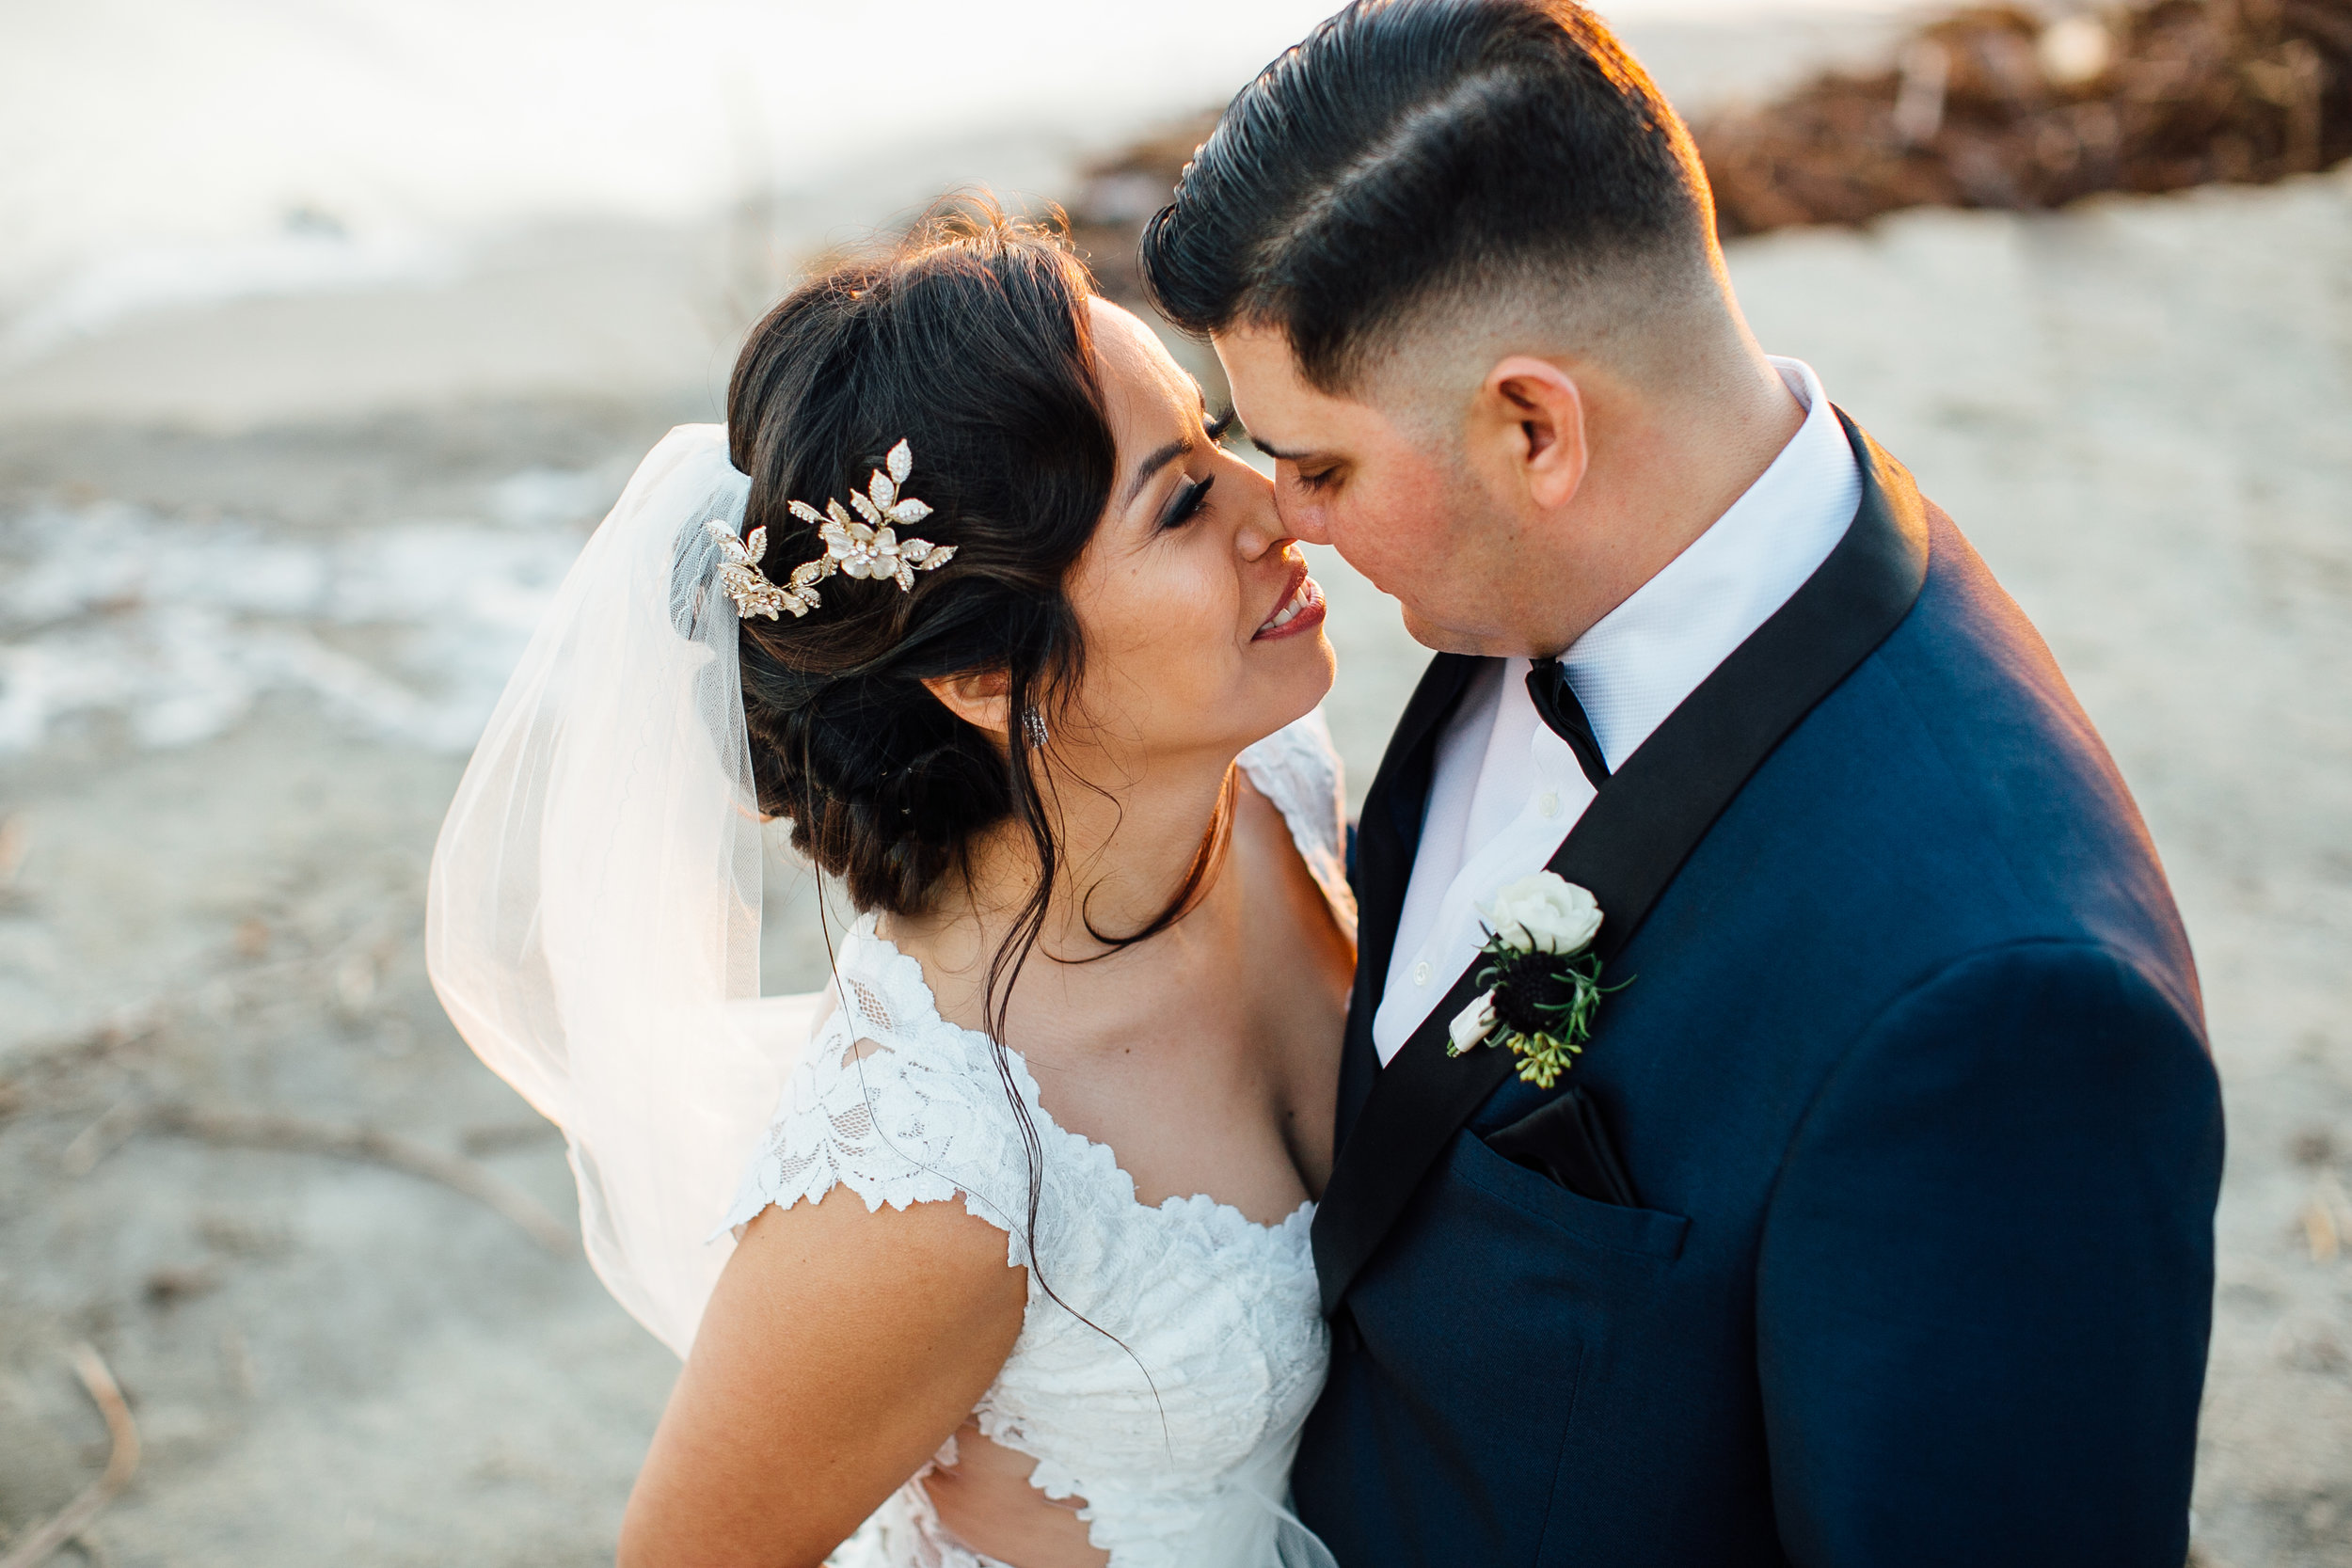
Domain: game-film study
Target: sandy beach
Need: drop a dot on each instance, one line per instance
(264, 564)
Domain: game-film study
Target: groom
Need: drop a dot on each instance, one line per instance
(1874, 1225)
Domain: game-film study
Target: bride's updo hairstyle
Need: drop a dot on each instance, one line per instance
(971, 341)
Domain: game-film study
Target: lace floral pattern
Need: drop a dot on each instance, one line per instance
(1212, 1344)
(1298, 769)
(1220, 1314)
(889, 1103)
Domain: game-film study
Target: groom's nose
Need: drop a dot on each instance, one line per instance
(1301, 519)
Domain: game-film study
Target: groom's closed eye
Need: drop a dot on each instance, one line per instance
(1311, 480)
(1306, 478)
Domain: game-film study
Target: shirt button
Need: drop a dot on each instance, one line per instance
(1549, 802)
(1421, 973)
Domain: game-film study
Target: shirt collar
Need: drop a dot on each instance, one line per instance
(1638, 662)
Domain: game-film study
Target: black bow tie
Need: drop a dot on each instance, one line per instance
(1555, 699)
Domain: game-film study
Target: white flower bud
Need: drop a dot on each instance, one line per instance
(1474, 1023)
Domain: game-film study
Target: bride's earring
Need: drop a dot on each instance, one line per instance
(1033, 730)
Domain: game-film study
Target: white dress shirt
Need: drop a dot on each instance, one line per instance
(1505, 790)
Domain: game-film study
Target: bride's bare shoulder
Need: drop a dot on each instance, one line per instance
(840, 1348)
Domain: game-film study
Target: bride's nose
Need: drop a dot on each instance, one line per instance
(1259, 530)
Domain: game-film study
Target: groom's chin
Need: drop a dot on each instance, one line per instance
(1444, 638)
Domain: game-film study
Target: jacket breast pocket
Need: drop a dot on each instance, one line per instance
(1499, 1306)
(1608, 1226)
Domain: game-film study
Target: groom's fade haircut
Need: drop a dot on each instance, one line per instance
(1416, 160)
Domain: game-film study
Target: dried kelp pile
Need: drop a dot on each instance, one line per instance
(1990, 107)
(1998, 107)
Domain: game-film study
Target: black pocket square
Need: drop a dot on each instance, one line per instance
(1565, 1140)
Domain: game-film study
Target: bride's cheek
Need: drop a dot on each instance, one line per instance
(1181, 611)
(1144, 635)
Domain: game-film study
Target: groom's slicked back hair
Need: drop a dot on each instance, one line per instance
(1418, 152)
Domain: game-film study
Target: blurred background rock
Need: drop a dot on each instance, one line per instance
(325, 336)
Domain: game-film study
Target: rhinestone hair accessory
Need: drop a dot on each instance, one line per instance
(871, 548)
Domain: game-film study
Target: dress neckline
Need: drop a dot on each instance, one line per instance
(1101, 1157)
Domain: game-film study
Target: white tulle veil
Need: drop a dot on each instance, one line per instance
(593, 917)
(593, 923)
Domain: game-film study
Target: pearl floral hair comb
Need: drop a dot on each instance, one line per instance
(871, 548)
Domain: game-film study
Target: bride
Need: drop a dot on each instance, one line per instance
(968, 594)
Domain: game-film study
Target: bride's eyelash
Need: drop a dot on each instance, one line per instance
(1187, 499)
(1187, 502)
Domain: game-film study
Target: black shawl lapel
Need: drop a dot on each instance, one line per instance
(1388, 835)
(1627, 848)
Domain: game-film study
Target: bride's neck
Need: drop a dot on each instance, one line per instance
(1125, 851)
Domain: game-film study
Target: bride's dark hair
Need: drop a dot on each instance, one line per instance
(972, 341)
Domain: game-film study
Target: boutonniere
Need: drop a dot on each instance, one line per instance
(1543, 983)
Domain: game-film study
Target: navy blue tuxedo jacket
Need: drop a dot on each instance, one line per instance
(1912, 1085)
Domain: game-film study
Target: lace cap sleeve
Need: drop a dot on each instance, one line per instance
(1298, 769)
(893, 1103)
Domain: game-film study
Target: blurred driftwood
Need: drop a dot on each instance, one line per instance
(296, 1134)
(122, 1461)
(273, 1130)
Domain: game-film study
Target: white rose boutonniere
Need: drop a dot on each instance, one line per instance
(1543, 980)
(1544, 913)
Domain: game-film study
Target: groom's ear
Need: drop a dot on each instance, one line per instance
(981, 698)
(1530, 417)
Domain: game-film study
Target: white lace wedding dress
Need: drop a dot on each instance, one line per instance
(1175, 1417)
